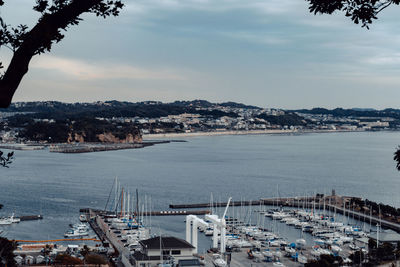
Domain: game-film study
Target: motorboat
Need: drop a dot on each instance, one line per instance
(80, 226)
(336, 249)
(290, 251)
(5, 221)
(83, 218)
(292, 221)
(318, 251)
(14, 219)
(218, 261)
(307, 228)
(76, 233)
(354, 247)
(209, 231)
(301, 243)
(302, 259)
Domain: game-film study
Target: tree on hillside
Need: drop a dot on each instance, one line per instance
(56, 17)
(363, 12)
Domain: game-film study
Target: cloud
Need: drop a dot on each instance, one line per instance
(101, 70)
(384, 59)
(259, 38)
(267, 7)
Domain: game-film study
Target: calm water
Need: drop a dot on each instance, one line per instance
(244, 167)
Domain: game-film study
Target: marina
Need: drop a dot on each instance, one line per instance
(251, 236)
(239, 243)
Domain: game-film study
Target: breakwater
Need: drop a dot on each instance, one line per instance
(96, 147)
(22, 146)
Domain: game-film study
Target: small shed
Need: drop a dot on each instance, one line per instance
(39, 259)
(29, 260)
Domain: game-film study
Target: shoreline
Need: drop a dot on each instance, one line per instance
(251, 132)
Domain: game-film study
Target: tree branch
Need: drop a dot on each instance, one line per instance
(46, 31)
(384, 5)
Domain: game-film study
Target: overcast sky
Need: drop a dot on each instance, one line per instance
(270, 53)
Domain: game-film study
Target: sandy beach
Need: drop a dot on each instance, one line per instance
(216, 133)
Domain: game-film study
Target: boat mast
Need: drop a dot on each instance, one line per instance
(128, 202)
(116, 194)
(137, 202)
(122, 200)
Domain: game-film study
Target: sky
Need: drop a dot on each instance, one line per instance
(269, 53)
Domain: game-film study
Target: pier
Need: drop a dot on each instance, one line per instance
(31, 217)
(148, 213)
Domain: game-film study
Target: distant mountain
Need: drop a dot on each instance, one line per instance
(109, 109)
(364, 109)
(237, 105)
(354, 112)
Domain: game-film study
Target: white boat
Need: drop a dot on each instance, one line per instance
(83, 218)
(290, 251)
(317, 251)
(353, 247)
(277, 263)
(76, 233)
(301, 243)
(307, 228)
(80, 226)
(267, 254)
(302, 259)
(5, 221)
(336, 249)
(209, 232)
(218, 261)
(292, 221)
(14, 219)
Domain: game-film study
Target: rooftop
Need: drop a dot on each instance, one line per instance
(168, 242)
(386, 236)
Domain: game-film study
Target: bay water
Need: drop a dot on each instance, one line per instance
(246, 167)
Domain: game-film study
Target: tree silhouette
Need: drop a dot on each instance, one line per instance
(397, 158)
(364, 12)
(56, 17)
(6, 160)
(7, 252)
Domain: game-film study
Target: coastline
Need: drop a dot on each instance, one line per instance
(251, 132)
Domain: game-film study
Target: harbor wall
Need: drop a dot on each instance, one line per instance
(114, 240)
